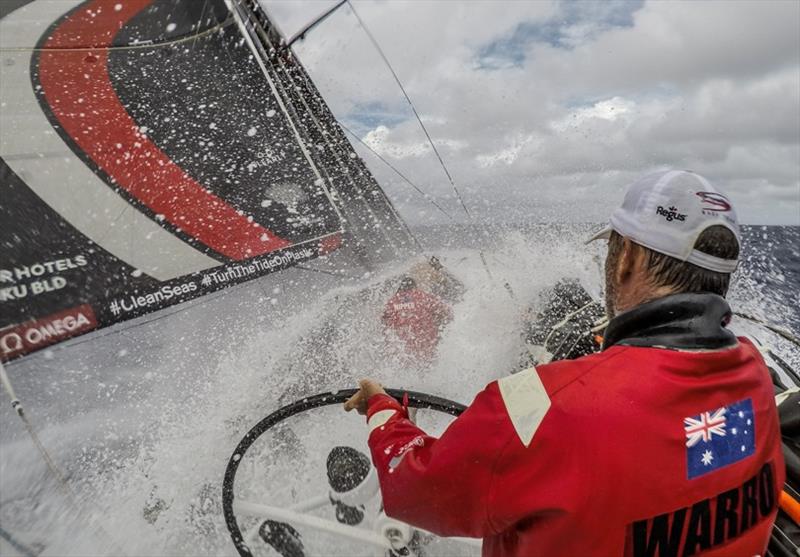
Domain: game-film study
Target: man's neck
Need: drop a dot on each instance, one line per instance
(641, 296)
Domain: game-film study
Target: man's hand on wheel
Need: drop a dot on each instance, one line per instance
(367, 388)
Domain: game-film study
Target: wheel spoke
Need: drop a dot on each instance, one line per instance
(299, 519)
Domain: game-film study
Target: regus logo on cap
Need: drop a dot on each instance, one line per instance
(671, 214)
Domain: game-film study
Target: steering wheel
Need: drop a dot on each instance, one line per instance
(285, 517)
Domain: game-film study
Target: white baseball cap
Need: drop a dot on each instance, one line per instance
(668, 210)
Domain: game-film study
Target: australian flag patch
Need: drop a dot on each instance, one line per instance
(719, 437)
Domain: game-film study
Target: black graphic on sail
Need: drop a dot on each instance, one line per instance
(154, 151)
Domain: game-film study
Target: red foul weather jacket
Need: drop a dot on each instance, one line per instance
(417, 317)
(666, 443)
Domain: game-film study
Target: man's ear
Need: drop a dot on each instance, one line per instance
(639, 259)
(625, 262)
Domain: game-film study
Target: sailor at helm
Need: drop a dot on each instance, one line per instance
(666, 442)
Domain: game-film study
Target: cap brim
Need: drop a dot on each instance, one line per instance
(604, 234)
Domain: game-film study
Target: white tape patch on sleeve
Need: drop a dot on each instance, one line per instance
(526, 402)
(380, 418)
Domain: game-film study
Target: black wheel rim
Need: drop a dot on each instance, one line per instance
(415, 400)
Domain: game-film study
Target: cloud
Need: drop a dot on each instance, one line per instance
(377, 140)
(547, 110)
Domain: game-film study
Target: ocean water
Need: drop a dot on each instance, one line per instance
(770, 266)
(143, 417)
(766, 284)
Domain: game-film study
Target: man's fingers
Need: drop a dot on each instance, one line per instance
(353, 401)
(370, 387)
(366, 389)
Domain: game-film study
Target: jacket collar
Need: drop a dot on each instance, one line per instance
(694, 321)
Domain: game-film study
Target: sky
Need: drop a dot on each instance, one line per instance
(545, 111)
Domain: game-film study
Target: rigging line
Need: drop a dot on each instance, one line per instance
(428, 135)
(334, 148)
(113, 224)
(301, 34)
(200, 22)
(411, 104)
(324, 272)
(143, 45)
(261, 58)
(427, 197)
(23, 549)
(286, 101)
(72, 498)
(17, 406)
(345, 163)
(290, 99)
(256, 53)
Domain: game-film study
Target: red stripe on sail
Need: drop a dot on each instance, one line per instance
(79, 91)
